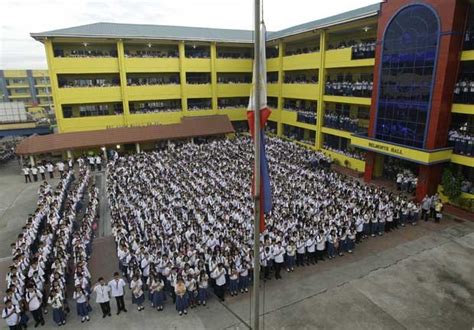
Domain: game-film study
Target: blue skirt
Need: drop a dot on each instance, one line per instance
(244, 282)
(82, 309)
(158, 298)
(202, 295)
(233, 285)
(182, 302)
(58, 315)
(138, 300)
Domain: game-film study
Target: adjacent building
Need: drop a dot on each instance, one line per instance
(374, 87)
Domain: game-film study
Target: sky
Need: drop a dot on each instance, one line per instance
(18, 18)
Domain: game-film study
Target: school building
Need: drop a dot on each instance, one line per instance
(373, 87)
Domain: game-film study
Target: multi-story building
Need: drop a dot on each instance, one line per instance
(31, 87)
(372, 87)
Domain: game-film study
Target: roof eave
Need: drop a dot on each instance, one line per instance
(324, 26)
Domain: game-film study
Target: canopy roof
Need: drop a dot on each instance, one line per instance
(189, 127)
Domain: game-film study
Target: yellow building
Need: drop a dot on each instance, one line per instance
(320, 79)
(29, 86)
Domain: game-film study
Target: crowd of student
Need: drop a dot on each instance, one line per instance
(152, 53)
(44, 169)
(247, 79)
(360, 155)
(53, 248)
(151, 81)
(461, 140)
(180, 217)
(363, 50)
(85, 53)
(358, 88)
(7, 149)
(406, 181)
(304, 50)
(305, 116)
(464, 91)
(93, 82)
(155, 107)
(234, 54)
(338, 121)
(301, 79)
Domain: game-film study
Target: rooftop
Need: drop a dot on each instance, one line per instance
(167, 32)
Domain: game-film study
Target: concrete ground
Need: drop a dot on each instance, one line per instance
(418, 277)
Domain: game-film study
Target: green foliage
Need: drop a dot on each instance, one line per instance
(451, 184)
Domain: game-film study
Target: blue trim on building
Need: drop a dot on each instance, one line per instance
(42, 130)
(31, 83)
(3, 87)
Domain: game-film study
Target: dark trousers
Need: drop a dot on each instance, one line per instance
(27, 178)
(120, 304)
(266, 272)
(105, 307)
(424, 214)
(300, 259)
(278, 269)
(99, 167)
(319, 254)
(35, 177)
(43, 177)
(51, 175)
(14, 327)
(220, 291)
(37, 316)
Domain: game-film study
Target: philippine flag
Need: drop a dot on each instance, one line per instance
(265, 187)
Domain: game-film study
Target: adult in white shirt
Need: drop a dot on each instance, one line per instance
(102, 292)
(98, 163)
(41, 170)
(26, 173)
(117, 287)
(11, 315)
(279, 255)
(34, 171)
(219, 276)
(33, 299)
(50, 169)
(60, 166)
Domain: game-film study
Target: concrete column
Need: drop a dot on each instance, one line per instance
(169, 144)
(192, 140)
(32, 160)
(137, 147)
(104, 150)
(69, 154)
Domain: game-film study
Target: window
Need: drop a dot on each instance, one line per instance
(410, 48)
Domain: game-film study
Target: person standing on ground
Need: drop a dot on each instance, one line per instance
(11, 315)
(80, 296)
(98, 162)
(34, 171)
(425, 208)
(41, 170)
(33, 299)
(26, 173)
(117, 287)
(50, 169)
(279, 253)
(219, 275)
(102, 291)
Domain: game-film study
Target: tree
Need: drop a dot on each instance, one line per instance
(451, 184)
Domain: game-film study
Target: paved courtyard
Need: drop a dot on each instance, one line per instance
(418, 277)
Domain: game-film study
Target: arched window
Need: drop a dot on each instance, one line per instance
(409, 54)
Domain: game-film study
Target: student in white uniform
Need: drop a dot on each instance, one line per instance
(33, 299)
(11, 315)
(117, 288)
(26, 173)
(102, 291)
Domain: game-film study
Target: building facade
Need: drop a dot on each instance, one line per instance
(379, 89)
(31, 87)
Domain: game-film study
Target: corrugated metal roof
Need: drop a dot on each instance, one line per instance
(189, 127)
(141, 31)
(328, 21)
(165, 32)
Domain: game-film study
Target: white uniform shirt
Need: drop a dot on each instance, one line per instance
(11, 315)
(117, 287)
(102, 293)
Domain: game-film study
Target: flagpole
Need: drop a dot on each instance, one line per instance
(257, 209)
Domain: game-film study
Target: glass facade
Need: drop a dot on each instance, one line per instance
(407, 71)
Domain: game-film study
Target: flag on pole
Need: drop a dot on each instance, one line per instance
(265, 187)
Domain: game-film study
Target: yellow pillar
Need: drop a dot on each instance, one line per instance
(182, 78)
(123, 82)
(321, 83)
(137, 147)
(53, 78)
(214, 76)
(281, 53)
(32, 160)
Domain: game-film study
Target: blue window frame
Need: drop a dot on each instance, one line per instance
(409, 56)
